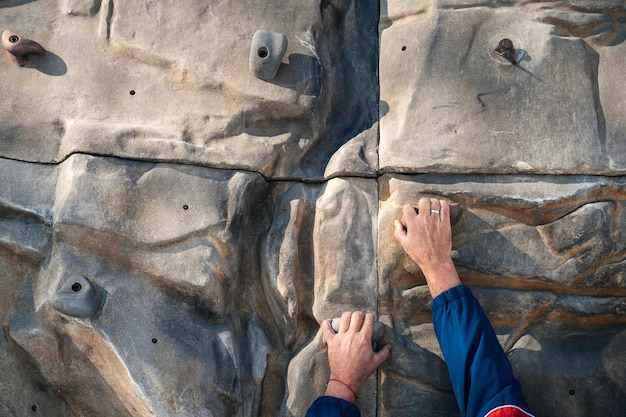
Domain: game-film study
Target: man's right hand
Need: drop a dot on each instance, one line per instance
(427, 238)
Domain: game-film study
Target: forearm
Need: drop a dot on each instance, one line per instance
(480, 372)
(332, 407)
(440, 277)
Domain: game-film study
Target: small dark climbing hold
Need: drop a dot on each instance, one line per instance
(19, 48)
(506, 50)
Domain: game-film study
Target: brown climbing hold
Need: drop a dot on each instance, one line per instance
(455, 213)
(18, 48)
(506, 50)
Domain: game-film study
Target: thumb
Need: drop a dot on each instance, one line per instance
(399, 231)
(382, 355)
(327, 330)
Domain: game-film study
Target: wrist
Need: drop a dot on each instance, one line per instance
(345, 390)
(440, 277)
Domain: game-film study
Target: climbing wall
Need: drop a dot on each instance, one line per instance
(190, 187)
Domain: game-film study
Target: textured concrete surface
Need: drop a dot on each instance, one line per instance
(198, 222)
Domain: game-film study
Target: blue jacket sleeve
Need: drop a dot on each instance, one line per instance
(332, 407)
(481, 374)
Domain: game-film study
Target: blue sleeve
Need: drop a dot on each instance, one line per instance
(332, 407)
(481, 374)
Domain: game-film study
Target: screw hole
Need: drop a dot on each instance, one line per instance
(33, 407)
(154, 340)
(14, 39)
(132, 92)
(76, 287)
(263, 52)
(185, 207)
(404, 48)
(572, 392)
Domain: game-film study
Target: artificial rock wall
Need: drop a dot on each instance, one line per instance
(173, 228)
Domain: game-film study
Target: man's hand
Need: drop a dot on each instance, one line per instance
(427, 239)
(350, 354)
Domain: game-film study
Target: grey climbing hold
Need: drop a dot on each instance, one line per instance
(266, 53)
(78, 297)
(379, 329)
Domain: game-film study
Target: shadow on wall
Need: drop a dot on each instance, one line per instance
(582, 374)
(15, 3)
(303, 73)
(49, 64)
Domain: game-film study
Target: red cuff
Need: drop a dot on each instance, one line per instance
(508, 411)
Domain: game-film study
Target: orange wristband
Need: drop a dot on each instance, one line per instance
(356, 397)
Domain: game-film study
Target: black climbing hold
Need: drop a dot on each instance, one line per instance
(506, 50)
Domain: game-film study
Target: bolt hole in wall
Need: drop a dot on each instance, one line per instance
(34, 408)
(572, 392)
(132, 92)
(263, 52)
(404, 48)
(154, 340)
(185, 207)
(76, 287)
